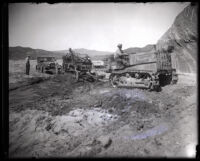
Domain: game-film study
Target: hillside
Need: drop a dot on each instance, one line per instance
(94, 54)
(18, 52)
(183, 36)
(147, 48)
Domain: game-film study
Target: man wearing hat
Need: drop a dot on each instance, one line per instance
(119, 51)
(72, 55)
(117, 56)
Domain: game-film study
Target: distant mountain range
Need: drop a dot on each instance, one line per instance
(18, 52)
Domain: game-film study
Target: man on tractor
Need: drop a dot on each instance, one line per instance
(119, 57)
(71, 54)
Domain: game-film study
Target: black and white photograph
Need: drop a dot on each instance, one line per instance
(103, 80)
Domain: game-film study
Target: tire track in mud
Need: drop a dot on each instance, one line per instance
(27, 82)
(56, 92)
(26, 97)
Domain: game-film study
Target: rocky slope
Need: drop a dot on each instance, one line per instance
(182, 35)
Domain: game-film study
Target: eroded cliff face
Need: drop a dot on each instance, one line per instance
(182, 35)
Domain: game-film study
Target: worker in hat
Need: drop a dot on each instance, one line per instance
(119, 51)
(72, 55)
(118, 59)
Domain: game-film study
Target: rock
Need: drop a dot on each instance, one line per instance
(56, 129)
(182, 36)
(48, 127)
(115, 117)
(146, 151)
(140, 127)
(157, 142)
(150, 101)
(85, 151)
(105, 141)
(110, 110)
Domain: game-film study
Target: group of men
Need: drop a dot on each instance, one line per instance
(117, 57)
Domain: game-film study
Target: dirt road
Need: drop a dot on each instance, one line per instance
(57, 117)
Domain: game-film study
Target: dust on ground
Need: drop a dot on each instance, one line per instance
(57, 117)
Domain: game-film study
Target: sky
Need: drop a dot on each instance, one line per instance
(95, 26)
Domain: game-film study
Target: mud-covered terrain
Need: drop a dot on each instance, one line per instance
(57, 117)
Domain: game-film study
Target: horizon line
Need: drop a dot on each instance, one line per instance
(77, 48)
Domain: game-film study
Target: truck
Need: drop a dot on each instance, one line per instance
(48, 65)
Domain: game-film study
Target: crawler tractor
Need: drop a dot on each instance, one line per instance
(80, 65)
(150, 70)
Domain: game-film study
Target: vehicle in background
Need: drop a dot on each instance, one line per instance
(48, 65)
(99, 67)
(80, 65)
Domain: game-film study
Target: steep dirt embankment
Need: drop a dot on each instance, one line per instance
(182, 35)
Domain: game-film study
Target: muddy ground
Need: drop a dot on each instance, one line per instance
(56, 117)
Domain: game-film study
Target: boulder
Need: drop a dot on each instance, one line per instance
(105, 141)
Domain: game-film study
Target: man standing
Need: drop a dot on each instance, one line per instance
(27, 65)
